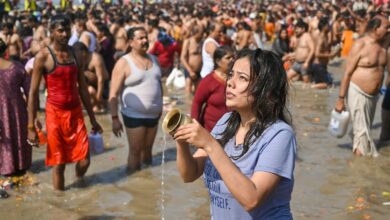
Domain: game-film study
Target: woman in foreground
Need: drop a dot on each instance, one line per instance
(247, 161)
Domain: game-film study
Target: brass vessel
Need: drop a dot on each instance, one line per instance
(173, 119)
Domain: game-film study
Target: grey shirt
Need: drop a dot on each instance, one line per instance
(273, 152)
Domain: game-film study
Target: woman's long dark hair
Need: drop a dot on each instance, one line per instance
(269, 89)
(284, 43)
(220, 52)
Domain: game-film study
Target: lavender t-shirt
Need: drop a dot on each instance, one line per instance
(274, 152)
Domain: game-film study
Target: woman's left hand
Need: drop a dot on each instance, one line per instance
(194, 134)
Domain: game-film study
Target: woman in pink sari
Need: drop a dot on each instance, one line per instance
(15, 152)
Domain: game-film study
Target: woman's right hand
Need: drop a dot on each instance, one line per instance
(117, 127)
(194, 134)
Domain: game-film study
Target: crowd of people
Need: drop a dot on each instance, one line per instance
(238, 58)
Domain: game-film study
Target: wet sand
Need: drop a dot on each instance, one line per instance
(330, 183)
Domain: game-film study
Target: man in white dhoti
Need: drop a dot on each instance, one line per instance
(362, 81)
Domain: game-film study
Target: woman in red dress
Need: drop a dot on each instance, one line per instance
(208, 105)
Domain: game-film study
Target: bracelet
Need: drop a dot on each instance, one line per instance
(341, 97)
(114, 117)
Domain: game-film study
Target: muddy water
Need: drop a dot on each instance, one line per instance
(330, 183)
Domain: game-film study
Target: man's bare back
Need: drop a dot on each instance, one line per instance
(152, 37)
(194, 55)
(324, 47)
(40, 33)
(15, 47)
(121, 39)
(96, 70)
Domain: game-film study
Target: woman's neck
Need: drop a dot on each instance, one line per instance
(4, 64)
(220, 74)
(246, 119)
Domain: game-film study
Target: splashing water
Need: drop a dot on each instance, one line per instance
(162, 177)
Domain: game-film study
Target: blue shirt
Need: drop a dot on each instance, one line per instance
(273, 152)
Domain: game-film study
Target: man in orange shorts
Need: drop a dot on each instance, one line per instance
(62, 70)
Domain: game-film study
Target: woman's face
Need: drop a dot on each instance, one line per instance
(224, 62)
(283, 34)
(237, 95)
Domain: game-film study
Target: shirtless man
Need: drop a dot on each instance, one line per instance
(95, 73)
(304, 53)
(202, 19)
(14, 42)
(120, 34)
(152, 29)
(361, 20)
(257, 30)
(187, 27)
(40, 32)
(322, 56)
(115, 25)
(244, 36)
(165, 23)
(337, 29)
(362, 81)
(191, 58)
(313, 28)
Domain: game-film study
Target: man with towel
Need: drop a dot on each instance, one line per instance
(362, 81)
(62, 69)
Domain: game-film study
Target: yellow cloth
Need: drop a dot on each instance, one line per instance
(64, 4)
(30, 5)
(7, 5)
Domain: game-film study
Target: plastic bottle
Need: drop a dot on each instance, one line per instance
(96, 144)
(338, 124)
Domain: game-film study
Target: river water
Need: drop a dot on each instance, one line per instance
(330, 183)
